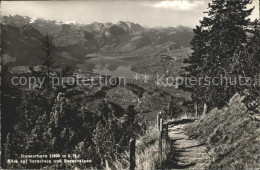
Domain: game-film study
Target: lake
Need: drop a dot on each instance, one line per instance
(112, 66)
(119, 71)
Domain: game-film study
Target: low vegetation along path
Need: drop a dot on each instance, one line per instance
(189, 153)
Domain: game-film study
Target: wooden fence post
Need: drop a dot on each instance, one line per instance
(158, 122)
(166, 137)
(161, 125)
(160, 140)
(166, 129)
(132, 154)
(107, 165)
(159, 116)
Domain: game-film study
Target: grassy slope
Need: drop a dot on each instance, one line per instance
(147, 156)
(231, 135)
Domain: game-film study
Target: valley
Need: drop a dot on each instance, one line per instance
(119, 50)
(122, 49)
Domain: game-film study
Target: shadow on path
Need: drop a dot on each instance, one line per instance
(185, 151)
(183, 121)
(172, 160)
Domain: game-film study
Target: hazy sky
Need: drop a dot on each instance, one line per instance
(149, 13)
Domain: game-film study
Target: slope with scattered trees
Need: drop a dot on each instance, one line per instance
(226, 43)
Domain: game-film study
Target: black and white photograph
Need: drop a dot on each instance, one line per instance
(129, 84)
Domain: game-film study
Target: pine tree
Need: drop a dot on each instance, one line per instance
(196, 62)
(47, 68)
(48, 61)
(225, 31)
(228, 29)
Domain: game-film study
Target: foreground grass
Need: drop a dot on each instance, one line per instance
(231, 136)
(147, 155)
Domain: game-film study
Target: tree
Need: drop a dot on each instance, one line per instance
(228, 34)
(253, 52)
(48, 61)
(217, 40)
(47, 68)
(196, 64)
(133, 124)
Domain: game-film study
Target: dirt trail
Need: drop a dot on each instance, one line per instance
(189, 153)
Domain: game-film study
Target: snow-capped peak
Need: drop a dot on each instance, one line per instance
(69, 22)
(129, 24)
(32, 20)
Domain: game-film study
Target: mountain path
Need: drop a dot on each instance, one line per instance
(190, 153)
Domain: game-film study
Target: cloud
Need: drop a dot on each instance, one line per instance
(178, 4)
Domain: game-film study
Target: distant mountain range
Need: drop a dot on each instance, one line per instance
(23, 39)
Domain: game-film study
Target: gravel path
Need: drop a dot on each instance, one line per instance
(189, 153)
